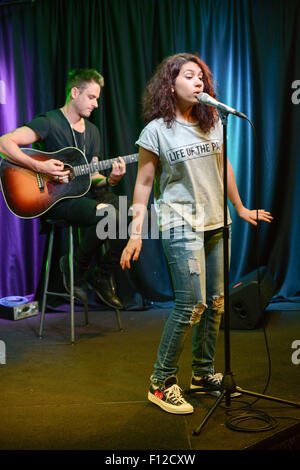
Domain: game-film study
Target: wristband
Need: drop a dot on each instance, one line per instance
(107, 181)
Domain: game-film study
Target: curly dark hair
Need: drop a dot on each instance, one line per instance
(159, 102)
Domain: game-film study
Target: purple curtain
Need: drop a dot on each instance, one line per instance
(21, 245)
(21, 256)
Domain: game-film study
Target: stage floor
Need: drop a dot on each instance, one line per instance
(93, 395)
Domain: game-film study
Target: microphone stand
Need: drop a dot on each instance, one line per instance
(228, 385)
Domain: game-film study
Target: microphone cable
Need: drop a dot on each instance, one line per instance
(235, 418)
(250, 414)
(257, 243)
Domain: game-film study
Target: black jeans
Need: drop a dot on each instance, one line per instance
(81, 212)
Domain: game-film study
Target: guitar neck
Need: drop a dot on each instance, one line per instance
(92, 167)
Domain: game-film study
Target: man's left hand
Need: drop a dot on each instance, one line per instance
(117, 172)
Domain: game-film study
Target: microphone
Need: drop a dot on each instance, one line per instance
(204, 98)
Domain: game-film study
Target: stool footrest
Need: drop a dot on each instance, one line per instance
(59, 294)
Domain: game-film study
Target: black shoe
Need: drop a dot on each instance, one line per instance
(209, 384)
(80, 285)
(105, 288)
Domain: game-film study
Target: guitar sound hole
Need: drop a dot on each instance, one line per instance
(71, 174)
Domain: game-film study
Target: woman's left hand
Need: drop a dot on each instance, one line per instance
(253, 215)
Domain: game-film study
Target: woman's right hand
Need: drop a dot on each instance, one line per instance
(131, 250)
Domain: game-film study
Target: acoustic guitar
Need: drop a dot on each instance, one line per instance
(29, 194)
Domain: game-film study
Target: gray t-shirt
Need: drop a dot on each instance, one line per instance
(188, 187)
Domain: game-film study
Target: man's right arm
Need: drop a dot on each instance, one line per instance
(10, 148)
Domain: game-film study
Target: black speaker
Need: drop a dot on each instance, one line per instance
(248, 300)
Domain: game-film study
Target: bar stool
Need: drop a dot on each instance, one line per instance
(54, 224)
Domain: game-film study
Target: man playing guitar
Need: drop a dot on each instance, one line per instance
(69, 127)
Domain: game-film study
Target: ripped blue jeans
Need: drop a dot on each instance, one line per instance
(196, 265)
